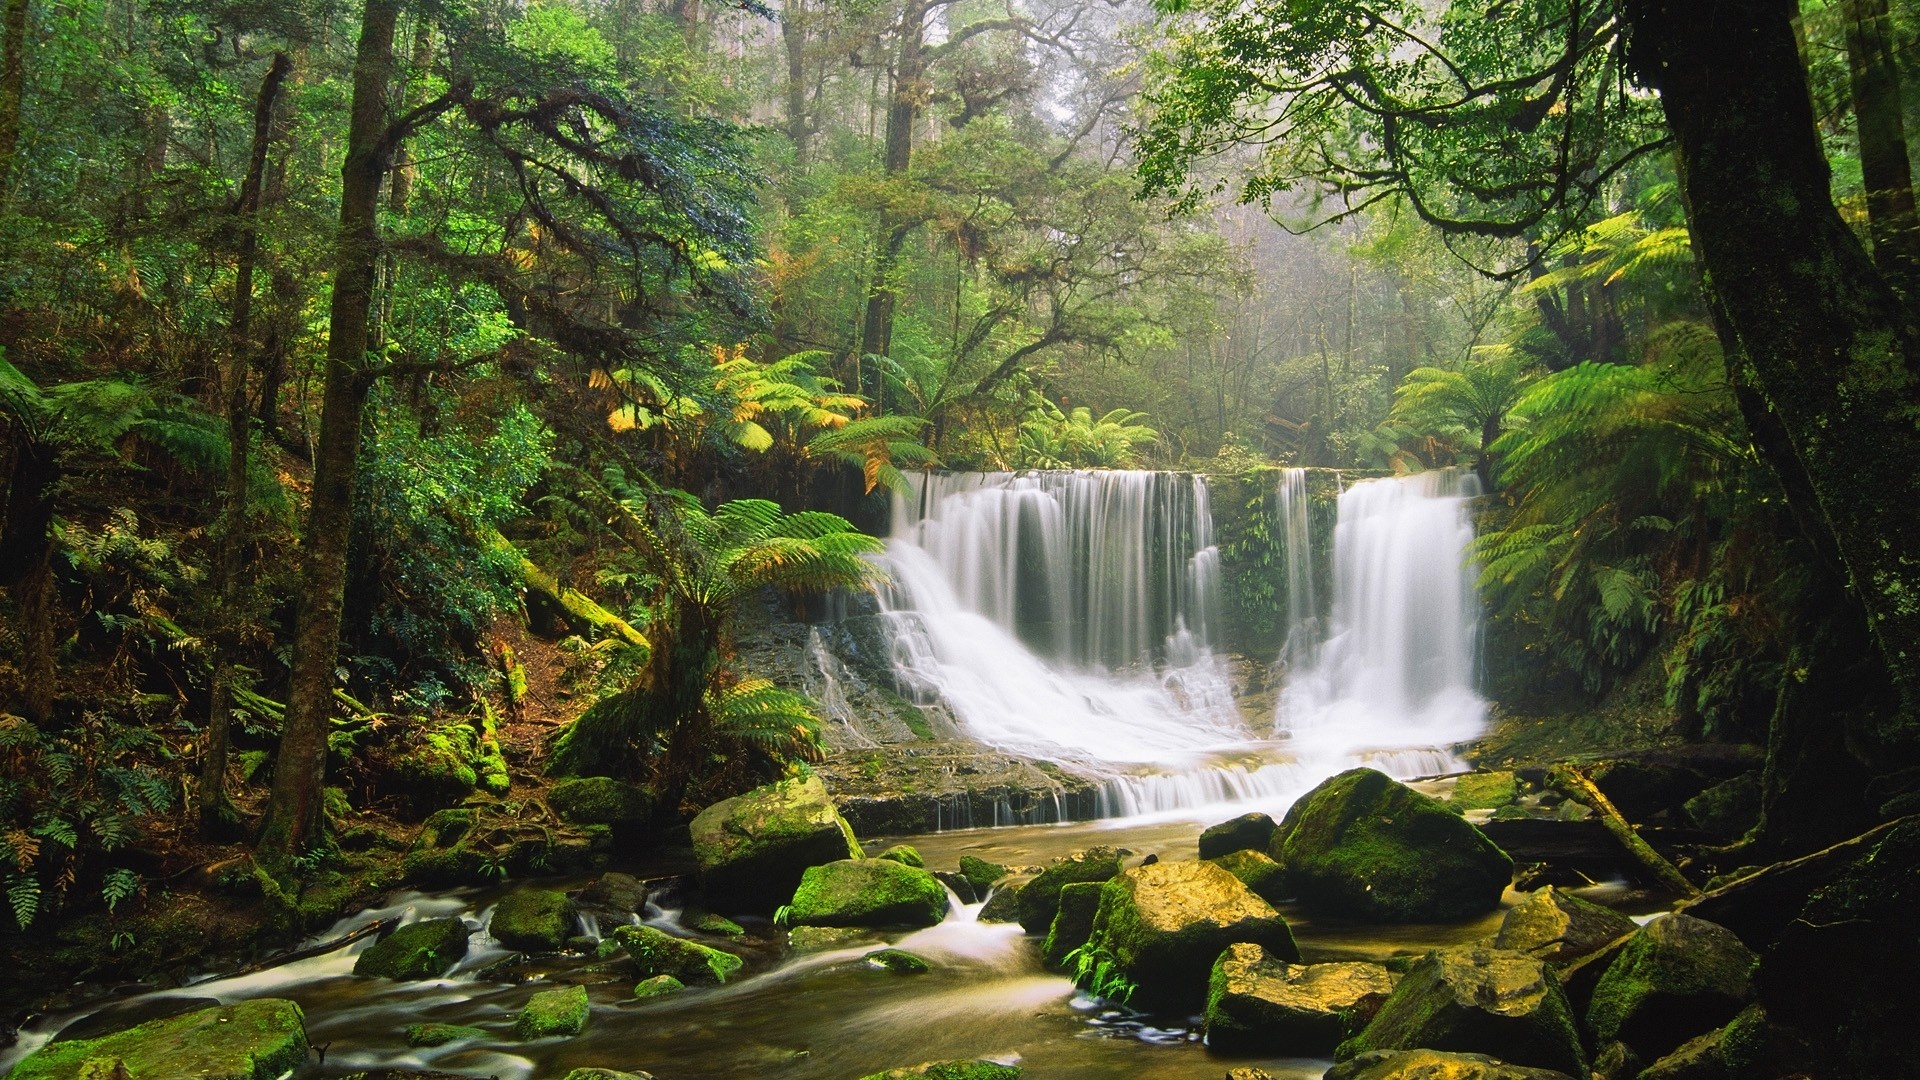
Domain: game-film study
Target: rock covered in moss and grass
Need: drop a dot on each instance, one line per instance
(1073, 925)
(1159, 928)
(905, 855)
(421, 950)
(867, 892)
(1259, 1004)
(806, 939)
(1257, 872)
(701, 921)
(1248, 832)
(592, 1073)
(950, 1070)
(1558, 927)
(601, 800)
(1727, 809)
(1434, 1065)
(656, 952)
(1478, 1001)
(534, 920)
(1675, 978)
(753, 848)
(1039, 899)
(658, 986)
(1003, 903)
(1484, 791)
(441, 1034)
(562, 1011)
(899, 961)
(1365, 846)
(260, 1039)
(980, 873)
(616, 892)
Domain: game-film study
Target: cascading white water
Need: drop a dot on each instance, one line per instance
(1303, 605)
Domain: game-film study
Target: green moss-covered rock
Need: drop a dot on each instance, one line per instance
(1727, 809)
(867, 892)
(656, 952)
(899, 961)
(1248, 832)
(1257, 872)
(1039, 899)
(1559, 927)
(753, 848)
(441, 1034)
(1259, 1004)
(1478, 1001)
(905, 855)
(562, 1011)
(1003, 903)
(1434, 1065)
(980, 873)
(1484, 791)
(658, 986)
(1363, 846)
(534, 920)
(1675, 978)
(421, 950)
(601, 800)
(1159, 928)
(706, 922)
(592, 1073)
(249, 1040)
(622, 893)
(1079, 903)
(951, 1070)
(806, 939)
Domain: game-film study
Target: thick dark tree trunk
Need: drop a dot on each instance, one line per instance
(13, 82)
(26, 567)
(1888, 176)
(1821, 335)
(903, 108)
(294, 819)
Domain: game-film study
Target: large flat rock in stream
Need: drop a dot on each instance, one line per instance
(249, 1040)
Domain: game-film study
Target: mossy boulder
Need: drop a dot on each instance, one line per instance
(1073, 925)
(421, 950)
(1159, 928)
(656, 952)
(1727, 809)
(601, 800)
(951, 1070)
(707, 922)
(1364, 846)
(806, 939)
(561, 1011)
(1675, 978)
(867, 892)
(753, 848)
(1435, 1065)
(980, 873)
(658, 986)
(441, 1034)
(1259, 1004)
(905, 855)
(1003, 904)
(1248, 832)
(899, 961)
(1484, 791)
(259, 1039)
(534, 920)
(1478, 1001)
(1257, 872)
(1559, 927)
(616, 892)
(1039, 899)
(595, 1073)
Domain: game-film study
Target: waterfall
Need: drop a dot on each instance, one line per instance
(1303, 605)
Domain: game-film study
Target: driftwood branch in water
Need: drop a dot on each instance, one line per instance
(1578, 785)
(372, 929)
(1759, 906)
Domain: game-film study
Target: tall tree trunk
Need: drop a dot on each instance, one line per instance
(26, 560)
(13, 84)
(294, 819)
(793, 35)
(903, 108)
(1821, 335)
(418, 67)
(1875, 82)
(216, 809)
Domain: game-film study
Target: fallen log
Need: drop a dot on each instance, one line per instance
(579, 608)
(1760, 906)
(1579, 786)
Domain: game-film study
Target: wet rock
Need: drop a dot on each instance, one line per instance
(1617, 1061)
(1248, 1072)
(806, 939)
(249, 1040)
(1258, 1004)
(422, 950)
(905, 855)
(951, 1070)
(1434, 1065)
(656, 952)
(1039, 899)
(1003, 904)
(1256, 872)
(1675, 978)
(1073, 925)
(441, 1034)
(1248, 832)
(621, 893)
(1558, 927)
(706, 922)
(658, 986)
(534, 920)
(753, 848)
(1484, 791)
(1727, 809)
(1367, 847)
(867, 892)
(961, 886)
(899, 961)
(601, 800)
(980, 873)
(554, 1012)
(1478, 1001)
(605, 1074)
(1159, 928)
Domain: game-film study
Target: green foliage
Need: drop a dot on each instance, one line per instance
(1052, 439)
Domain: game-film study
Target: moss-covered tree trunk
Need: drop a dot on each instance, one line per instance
(1874, 81)
(1821, 334)
(294, 818)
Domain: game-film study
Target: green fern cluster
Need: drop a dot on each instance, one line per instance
(1051, 438)
(1098, 973)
